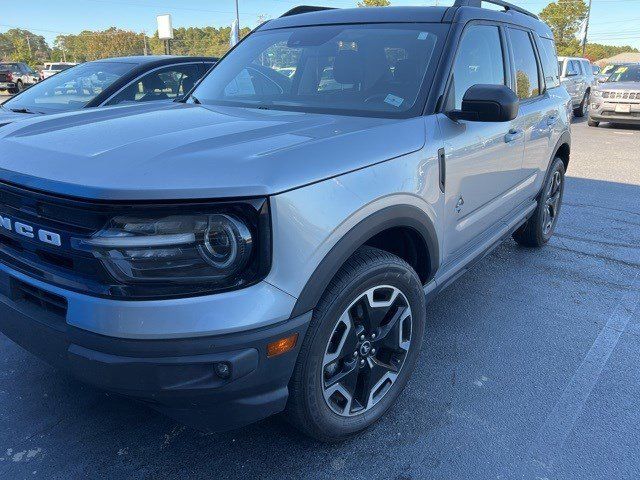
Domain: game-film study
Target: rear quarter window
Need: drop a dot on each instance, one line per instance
(550, 62)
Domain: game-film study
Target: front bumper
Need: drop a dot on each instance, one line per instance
(618, 111)
(175, 376)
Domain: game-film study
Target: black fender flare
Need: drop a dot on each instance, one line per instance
(564, 138)
(389, 217)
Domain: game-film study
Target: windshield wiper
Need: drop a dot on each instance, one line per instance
(22, 110)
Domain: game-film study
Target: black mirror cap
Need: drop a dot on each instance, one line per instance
(488, 103)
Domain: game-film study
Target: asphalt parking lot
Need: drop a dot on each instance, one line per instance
(530, 370)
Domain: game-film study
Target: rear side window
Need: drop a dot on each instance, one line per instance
(526, 65)
(479, 60)
(549, 63)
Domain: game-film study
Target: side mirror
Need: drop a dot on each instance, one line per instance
(487, 103)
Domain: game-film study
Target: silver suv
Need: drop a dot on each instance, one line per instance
(617, 100)
(269, 244)
(576, 74)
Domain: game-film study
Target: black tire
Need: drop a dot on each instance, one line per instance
(308, 409)
(537, 230)
(583, 108)
(19, 86)
(592, 123)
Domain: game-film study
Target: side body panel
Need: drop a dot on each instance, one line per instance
(309, 221)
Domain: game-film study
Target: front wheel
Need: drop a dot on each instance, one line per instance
(361, 347)
(540, 227)
(583, 108)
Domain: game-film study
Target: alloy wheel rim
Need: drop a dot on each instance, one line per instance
(367, 349)
(552, 203)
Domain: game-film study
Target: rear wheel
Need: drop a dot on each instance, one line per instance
(592, 123)
(540, 227)
(361, 347)
(19, 86)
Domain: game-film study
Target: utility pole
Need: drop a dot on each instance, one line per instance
(238, 16)
(144, 39)
(29, 45)
(586, 30)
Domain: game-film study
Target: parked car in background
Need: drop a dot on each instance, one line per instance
(16, 76)
(576, 74)
(607, 70)
(618, 99)
(108, 82)
(51, 69)
(269, 243)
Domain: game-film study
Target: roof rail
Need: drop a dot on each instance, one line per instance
(506, 5)
(304, 9)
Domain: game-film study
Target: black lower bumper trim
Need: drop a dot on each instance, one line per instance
(175, 376)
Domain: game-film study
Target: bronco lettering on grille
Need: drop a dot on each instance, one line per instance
(28, 231)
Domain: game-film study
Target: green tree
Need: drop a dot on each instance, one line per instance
(564, 18)
(92, 45)
(597, 51)
(374, 3)
(23, 46)
(207, 41)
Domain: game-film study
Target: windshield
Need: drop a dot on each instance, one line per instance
(9, 67)
(70, 89)
(346, 69)
(625, 74)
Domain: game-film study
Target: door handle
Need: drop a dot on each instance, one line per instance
(513, 135)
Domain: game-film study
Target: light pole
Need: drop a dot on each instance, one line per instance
(586, 30)
(237, 16)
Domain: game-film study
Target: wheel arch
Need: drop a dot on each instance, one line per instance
(562, 150)
(404, 230)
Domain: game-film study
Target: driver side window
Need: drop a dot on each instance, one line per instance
(479, 60)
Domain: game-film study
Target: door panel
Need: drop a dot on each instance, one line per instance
(536, 116)
(481, 157)
(479, 163)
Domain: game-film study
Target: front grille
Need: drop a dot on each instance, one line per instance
(60, 265)
(611, 113)
(621, 95)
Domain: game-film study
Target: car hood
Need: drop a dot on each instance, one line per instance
(615, 86)
(184, 151)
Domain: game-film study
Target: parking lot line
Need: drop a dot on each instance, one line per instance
(559, 423)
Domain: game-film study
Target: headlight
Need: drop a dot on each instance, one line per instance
(208, 250)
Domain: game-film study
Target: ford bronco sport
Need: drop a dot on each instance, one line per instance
(269, 243)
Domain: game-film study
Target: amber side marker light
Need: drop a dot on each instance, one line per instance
(282, 346)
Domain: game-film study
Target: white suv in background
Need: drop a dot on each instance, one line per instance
(50, 69)
(576, 74)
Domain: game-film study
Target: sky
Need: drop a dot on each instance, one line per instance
(613, 22)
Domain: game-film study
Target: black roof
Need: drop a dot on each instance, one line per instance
(455, 14)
